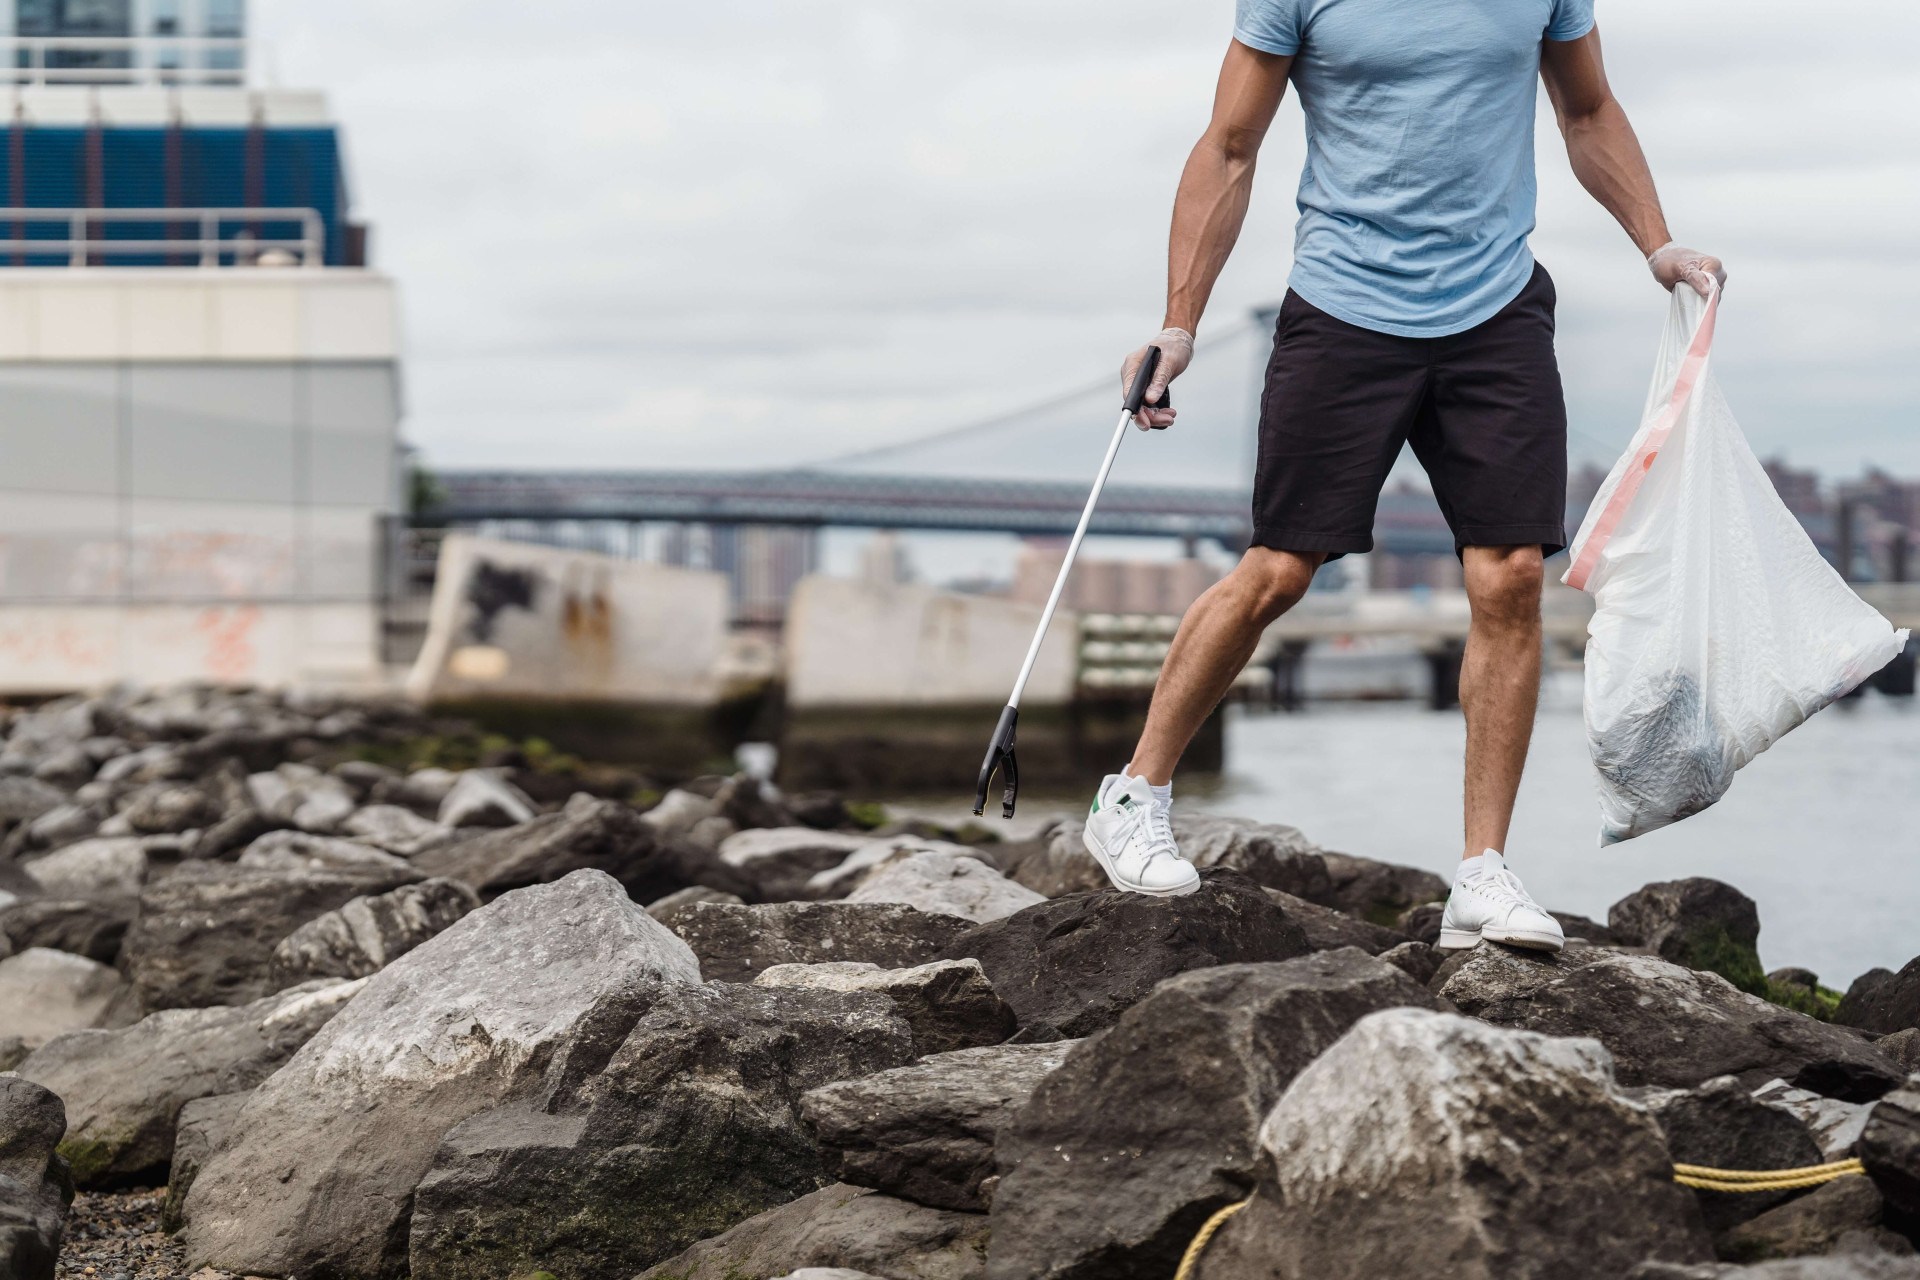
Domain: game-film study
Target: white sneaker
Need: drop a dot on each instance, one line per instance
(1489, 902)
(1132, 839)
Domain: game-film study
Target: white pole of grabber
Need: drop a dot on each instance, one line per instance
(1066, 566)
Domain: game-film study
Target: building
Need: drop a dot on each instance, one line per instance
(1110, 586)
(199, 377)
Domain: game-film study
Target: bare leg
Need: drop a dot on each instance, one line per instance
(1215, 640)
(1499, 685)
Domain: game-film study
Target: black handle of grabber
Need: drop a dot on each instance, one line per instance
(1000, 756)
(1142, 378)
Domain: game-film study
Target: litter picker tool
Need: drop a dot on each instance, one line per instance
(1000, 750)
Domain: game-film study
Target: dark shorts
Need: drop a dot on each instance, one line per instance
(1482, 410)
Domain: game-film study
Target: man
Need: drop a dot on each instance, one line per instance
(1416, 314)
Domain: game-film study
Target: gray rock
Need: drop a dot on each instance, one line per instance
(1878, 1266)
(484, 798)
(1813, 1224)
(948, 885)
(90, 927)
(519, 998)
(206, 933)
(1835, 1125)
(709, 834)
(1415, 959)
(364, 778)
(948, 1003)
(62, 825)
(690, 1129)
(780, 862)
(367, 934)
(736, 943)
(1125, 1150)
(1061, 865)
(1422, 923)
(1072, 966)
(1723, 1126)
(1270, 854)
(13, 1052)
(35, 1189)
(603, 835)
(24, 799)
(397, 829)
(1593, 931)
(1329, 930)
(204, 1124)
(65, 766)
(169, 807)
(926, 1132)
(124, 1089)
(46, 993)
(109, 868)
(1890, 1147)
(1376, 891)
(1699, 923)
(747, 802)
(1664, 1024)
(828, 1273)
(875, 855)
(1793, 976)
(1426, 1143)
(1883, 1002)
(843, 1227)
(1903, 1047)
(302, 851)
(422, 790)
(661, 908)
(677, 813)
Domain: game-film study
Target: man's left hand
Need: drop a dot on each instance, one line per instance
(1672, 263)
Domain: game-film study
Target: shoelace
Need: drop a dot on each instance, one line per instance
(1503, 887)
(1158, 831)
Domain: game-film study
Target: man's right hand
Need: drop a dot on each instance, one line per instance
(1176, 353)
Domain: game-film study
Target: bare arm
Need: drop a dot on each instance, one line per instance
(1211, 204)
(1605, 154)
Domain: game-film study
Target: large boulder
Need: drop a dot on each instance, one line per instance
(397, 829)
(1721, 1125)
(1267, 853)
(1834, 1125)
(735, 943)
(1883, 1002)
(588, 832)
(947, 884)
(1889, 1147)
(35, 1188)
(1426, 1143)
(90, 927)
(841, 1227)
(1698, 923)
(948, 1003)
(206, 933)
(205, 1123)
(1123, 1152)
(365, 935)
(46, 993)
(690, 1129)
(1073, 965)
(124, 1089)
(779, 862)
(520, 997)
(1056, 863)
(1379, 892)
(1329, 929)
(1664, 1024)
(926, 1132)
(1846, 1212)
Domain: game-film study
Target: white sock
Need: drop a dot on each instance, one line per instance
(1475, 867)
(1162, 795)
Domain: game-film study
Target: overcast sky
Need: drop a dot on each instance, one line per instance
(735, 233)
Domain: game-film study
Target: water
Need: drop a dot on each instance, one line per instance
(1823, 831)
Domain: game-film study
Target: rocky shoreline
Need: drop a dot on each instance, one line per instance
(299, 987)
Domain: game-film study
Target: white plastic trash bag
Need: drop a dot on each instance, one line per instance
(1717, 625)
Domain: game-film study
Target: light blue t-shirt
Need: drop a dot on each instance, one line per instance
(1418, 191)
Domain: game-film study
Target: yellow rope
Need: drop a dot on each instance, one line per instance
(1199, 1245)
(1687, 1175)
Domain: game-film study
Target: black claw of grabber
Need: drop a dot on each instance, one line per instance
(1000, 756)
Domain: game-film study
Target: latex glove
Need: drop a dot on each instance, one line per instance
(1176, 353)
(1671, 263)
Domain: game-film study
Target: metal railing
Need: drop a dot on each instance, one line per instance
(81, 247)
(141, 60)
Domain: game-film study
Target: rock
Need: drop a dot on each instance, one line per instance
(828, 1273)
(1883, 1002)
(1072, 966)
(1426, 1143)
(661, 908)
(1330, 930)
(484, 798)
(303, 796)
(1422, 923)
(1722, 1126)
(1125, 1150)
(879, 853)
(1698, 923)
(736, 943)
(204, 1124)
(779, 861)
(1664, 1024)
(677, 812)
(206, 933)
(949, 1003)
(1061, 865)
(926, 1132)
(366, 934)
(24, 799)
(1870, 1266)
(90, 927)
(823, 810)
(65, 767)
(35, 1189)
(301, 851)
(710, 833)
(1593, 931)
(1811, 1224)
(109, 867)
(1415, 959)
(13, 1052)
(1804, 979)
(947, 885)
(397, 829)
(422, 790)
(1376, 891)
(1902, 1046)
(45, 993)
(63, 825)
(843, 1227)
(1268, 853)
(519, 998)
(1889, 1147)
(124, 1089)
(603, 835)
(747, 802)
(690, 1129)
(1835, 1125)
(169, 807)
(365, 778)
